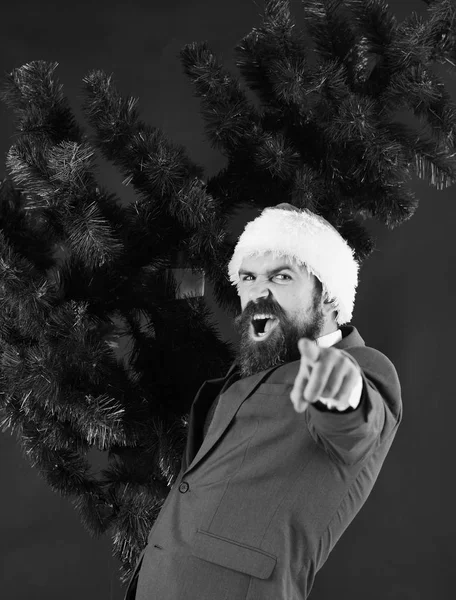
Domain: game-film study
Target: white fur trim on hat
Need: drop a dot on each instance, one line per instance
(312, 241)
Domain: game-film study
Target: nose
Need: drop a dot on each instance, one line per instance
(259, 290)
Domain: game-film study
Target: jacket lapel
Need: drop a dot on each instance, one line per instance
(198, 411)
(233, 398)
(205, 396)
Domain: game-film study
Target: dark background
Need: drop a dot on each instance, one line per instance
(400, 546)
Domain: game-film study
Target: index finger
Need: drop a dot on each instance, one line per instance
(305, 368)
(308, 349)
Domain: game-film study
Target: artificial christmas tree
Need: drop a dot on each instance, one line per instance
(324, 137)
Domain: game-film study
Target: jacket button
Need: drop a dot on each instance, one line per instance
(183, 487)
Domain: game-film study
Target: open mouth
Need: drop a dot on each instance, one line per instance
(262, 326)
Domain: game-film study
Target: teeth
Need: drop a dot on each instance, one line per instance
(270, 323)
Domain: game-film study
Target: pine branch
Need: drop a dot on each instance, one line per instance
(441, 32)
(159, 169)
(227, 113)
(378, 29)
(277, 156)
(427, 158)
(56, 169)
(154, 166)
(37, 99)
(377, 22)
(276, 41)
(331, 31)
(423, 92)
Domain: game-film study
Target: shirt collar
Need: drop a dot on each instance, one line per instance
(325, 341)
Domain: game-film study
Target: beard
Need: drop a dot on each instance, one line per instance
(281, 345)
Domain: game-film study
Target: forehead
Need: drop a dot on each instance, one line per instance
(268, 261)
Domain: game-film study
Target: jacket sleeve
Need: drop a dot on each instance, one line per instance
(349, 437)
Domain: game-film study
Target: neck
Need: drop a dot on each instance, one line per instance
(329, 327)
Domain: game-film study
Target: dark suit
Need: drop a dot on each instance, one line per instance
(258, 506)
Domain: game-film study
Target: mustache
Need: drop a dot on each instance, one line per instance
(266, 306)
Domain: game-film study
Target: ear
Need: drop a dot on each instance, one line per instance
(328, 309)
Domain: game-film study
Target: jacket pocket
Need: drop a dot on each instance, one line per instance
(233, 555)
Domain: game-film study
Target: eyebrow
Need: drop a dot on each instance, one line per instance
(269, 273)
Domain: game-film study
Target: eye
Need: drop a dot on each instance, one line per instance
(246, 277)
(283, 275)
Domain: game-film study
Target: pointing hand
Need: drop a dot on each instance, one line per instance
(323, 373)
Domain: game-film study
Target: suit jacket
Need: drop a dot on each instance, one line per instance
(260, 503)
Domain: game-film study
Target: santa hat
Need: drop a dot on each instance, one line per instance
(307, 237)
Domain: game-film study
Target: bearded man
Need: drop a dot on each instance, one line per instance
(284, 450)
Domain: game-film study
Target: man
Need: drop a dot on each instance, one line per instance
(283, 451)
